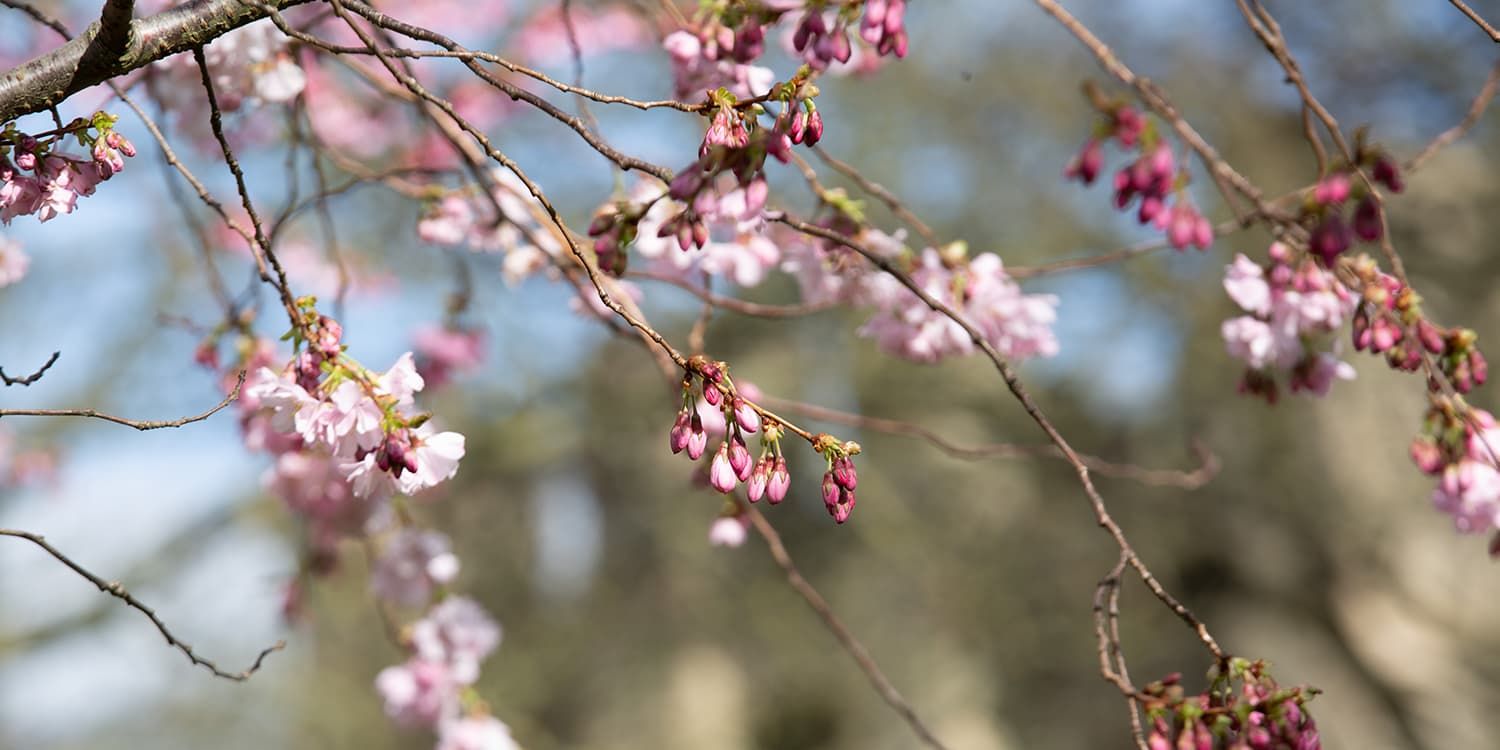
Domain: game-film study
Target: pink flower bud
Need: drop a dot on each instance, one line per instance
(1332, 189)
(26, 160)
(727, 531)
(682, 432)
(780, 481)
(739, 457)
(1431, 337)
(747, 418)
(712, 395)
(831, 491)
(328, 336)
(698, 437)
(844, 507)
(1426, 455)
(814, 128)
(1386, 172)
(1384, 334)
(1151, 207)
(687, 183)
(844, 474)
(1330, 239)
(1367, 220)
(755, 486)
(721, 474)
(1086, 164)
(1478, 366)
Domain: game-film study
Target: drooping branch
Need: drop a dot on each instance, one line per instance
(33, 377)
(113, 588)
(116, 45)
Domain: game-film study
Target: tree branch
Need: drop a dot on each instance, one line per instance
(113, 588)
(142, 425)
(33, 377)
(98, 54)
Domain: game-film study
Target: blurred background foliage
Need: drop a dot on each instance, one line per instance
(970, 581)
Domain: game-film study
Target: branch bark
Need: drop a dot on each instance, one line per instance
(116, 45)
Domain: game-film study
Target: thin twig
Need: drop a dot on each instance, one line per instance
(862, 657)
(115, 589)
(142, 425)
(1471, 118)
(33, 377)
(1208, 463)
(1477, 19)
(892, 202)
(734, 304)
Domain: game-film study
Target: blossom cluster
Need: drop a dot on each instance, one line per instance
(250, 65)
(1244, 709)
(463, 219)
(1389, 321)
(1331, 234)
(36, 179)
(1293, 308)
(1459, 446)
(1016, 324)
(1153, 176)
(433, 688)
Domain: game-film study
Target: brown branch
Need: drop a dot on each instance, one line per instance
(1208, 463)
(878, 680)
(142, 425)
(1111, 654)
(115, 589)
(1477, 19)
(261, 247)
(33, 377)
(1476, 110)
(48, 80)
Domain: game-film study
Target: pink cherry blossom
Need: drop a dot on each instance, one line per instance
(411, 564)
(728, 531)
(475, 733)
(419, 693)
(457, 633)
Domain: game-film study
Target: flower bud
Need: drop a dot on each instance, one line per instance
(831, 491)
(1386, 172)
(1431, 337)
(1332, 189)
(760, 477)
(1330, 239)
(739, 457)
(682, 432)
(844, 507)
(747, 417)
(814, 128)
(844, 474)
(1479, 366)
(1426, 455)
(1367, 220)
(721, 474)
(698, 437)
(712, 395)
(779, 482)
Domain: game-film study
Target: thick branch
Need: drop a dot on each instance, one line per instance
(98, 54)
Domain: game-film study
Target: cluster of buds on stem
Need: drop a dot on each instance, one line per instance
(1390, 321)
(841, 479)
(1153, 177)
(1324, 207)
(613, 229)
(1458, 446)
(1243, 709)
(36, 179)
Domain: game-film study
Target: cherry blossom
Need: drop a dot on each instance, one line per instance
(475, 733)
(411, 565)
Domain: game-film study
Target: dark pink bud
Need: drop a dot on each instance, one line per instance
(839, 42)
(749, 42)
(1384, 334)
(1387, 173)
(1479, 366)
(1086, 163)
(1330, 239)
(308, 371)
(831, 491)
(1128, 126)
(1367, 220)
(780, 481)
(1431, 336)
(814, 128)
(739, 457)
(712, 395)
(602, 223)
(26, 160)
(682, 432)
(895, 18)
(327, 339)
(207, 354)
(797, 130)
(844, 507)
(844, 474)
(1361, 327)
(1151, 207)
